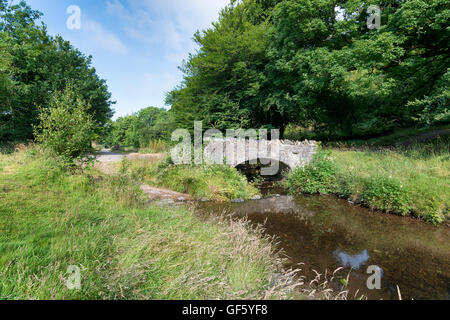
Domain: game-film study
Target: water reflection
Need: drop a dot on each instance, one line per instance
(414, 255)
(354, 262)
(277, 205)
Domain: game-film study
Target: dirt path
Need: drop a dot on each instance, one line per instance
(106, 156)
(107, 163)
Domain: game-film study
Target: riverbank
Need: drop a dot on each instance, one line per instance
(125, 248)
(212, 183)
(407, 181)
(327, 233)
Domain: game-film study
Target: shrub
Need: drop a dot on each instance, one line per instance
(318, 177)
(434, 107)
(386, 193)
(6, 147)
(123, 186)
(432, 210)
(66, 128)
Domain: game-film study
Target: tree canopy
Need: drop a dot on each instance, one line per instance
(316, 64)
(66, 129)
(139, 129)
(34, 66)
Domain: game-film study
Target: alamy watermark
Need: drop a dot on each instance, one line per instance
(233, 148)
(74, 20)
(73, 282)
(374, 281)
(374, 19)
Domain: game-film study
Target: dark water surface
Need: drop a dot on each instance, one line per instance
(328, 233)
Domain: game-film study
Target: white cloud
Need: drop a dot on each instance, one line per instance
(200, 13)
(161, 33)
(170, 23)
(98, 36)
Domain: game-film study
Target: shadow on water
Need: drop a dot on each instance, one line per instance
(256, 170)
(328, 233)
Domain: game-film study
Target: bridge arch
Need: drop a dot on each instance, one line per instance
(253, 169)
(235, 152)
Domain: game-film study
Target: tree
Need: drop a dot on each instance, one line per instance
(34, 66)
(273, 63)
(139, 129)
(223, 82)
(66, 128)
(154, 124)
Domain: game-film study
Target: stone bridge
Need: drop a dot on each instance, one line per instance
(235, 152)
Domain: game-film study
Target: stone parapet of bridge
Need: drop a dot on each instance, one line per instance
(235, 151)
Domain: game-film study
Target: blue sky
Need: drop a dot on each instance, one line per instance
(137, 45)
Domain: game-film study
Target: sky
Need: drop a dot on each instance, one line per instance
(136, 45)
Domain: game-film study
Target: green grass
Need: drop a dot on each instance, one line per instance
(50, 219)
(413, 181)
(217, 182)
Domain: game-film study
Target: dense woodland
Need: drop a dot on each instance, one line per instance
(277, 62)
(312, 64)
(137, 130)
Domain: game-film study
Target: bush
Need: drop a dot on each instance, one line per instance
(318, 177)
(434, 108)
(6, 147)
(387, 194)
(66, 128)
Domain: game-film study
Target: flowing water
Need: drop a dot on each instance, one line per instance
(326, 233)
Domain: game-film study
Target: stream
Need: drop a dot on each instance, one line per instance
(326, 233)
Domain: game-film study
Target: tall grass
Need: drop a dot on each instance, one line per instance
(155, 146)
(215, 182)
(50, 219)
(219, 182)
(125, 248)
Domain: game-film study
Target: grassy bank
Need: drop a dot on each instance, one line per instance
(50, 219)
(217, 183)
(409, 181)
